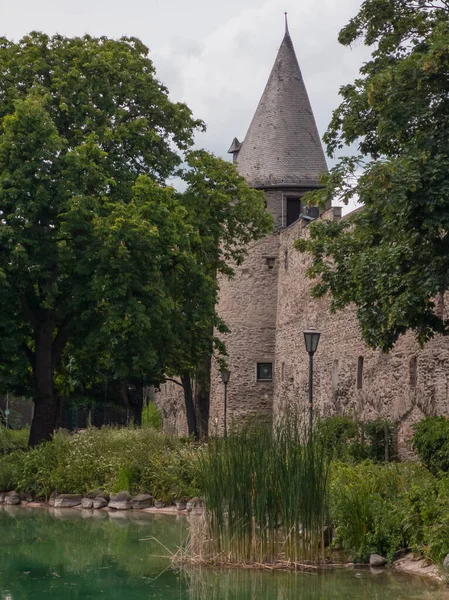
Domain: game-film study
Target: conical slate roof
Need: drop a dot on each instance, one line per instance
(282, 145)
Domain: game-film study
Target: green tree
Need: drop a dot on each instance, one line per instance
(86, 133)
(390, 259)
(226, 215)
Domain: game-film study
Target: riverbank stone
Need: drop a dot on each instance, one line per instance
(67, 500)
(87, 503)
(446, 563)
(376, 560)
(12, 498)
(142, 501)
(2, 498)
(25, 497)
(99, 502)
(97, 493)
(120, 501)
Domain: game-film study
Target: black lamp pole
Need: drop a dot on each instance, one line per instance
(311, 339)
(225, 376)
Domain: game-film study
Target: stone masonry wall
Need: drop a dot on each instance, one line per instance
(403, 385)
(247, 304)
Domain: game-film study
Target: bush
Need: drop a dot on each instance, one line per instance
(379, 434)
(349, 440)
(431, 442)
(137, 460)
(388, 508)
(152, 416)
(11, 439)
(337, 434)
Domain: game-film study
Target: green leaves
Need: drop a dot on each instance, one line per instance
(389, 260)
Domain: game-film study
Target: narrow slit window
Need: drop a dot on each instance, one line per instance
(413, 369)
(335, 378)
(360, 373)
(264, 371)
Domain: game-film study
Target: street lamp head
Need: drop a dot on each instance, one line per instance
(311, 338)
(225, 376)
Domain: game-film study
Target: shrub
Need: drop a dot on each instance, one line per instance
(388, 508)
(431, 442)
(337, 433)
(137, 460)
(379, 435)
(152, 416)
(346, 439)
(11, 439)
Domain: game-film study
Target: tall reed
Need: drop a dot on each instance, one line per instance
(266, 494)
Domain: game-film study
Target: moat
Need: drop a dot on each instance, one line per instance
(86, 555)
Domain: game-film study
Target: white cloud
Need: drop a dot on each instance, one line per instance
(224, 74)
(215, 56)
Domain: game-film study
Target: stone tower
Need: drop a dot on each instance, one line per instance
(281, 155)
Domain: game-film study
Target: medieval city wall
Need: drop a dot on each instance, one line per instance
(404, 385)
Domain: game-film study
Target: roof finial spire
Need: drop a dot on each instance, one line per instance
(286, 24)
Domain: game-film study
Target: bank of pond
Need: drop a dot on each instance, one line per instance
(270, 496)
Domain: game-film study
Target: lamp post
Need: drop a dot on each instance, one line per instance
(225, 377)
(311, 339)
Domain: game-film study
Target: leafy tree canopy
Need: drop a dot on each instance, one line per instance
(103, 268)
(390, 259)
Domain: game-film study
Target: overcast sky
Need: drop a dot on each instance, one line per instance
(215, 56)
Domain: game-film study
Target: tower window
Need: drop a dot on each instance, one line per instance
(293, 210)
(264, 372)
(360, 373)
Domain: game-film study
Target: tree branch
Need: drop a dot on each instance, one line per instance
(174, 381)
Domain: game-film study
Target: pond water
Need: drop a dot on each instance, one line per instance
(82, 555)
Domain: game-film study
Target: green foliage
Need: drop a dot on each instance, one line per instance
(257, 481)
(379, 435)
(389, 259)
(113, 279)
(431, 442)
(346, 439)
(388, 508)
(13, 439)
(152, 416)
(137, 460)
(338, 434)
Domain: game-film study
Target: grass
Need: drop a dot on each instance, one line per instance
(266, 494)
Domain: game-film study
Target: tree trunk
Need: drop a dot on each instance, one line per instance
(202, 395)
(190, 407)
(136, 397)
(44, 416)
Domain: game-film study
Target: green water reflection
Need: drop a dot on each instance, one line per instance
(72, 555)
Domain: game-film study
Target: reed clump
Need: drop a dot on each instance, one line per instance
(266, 495)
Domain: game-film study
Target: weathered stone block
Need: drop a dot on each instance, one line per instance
(12, 498)
(67, 500)
(120, 504)
(375, 560)
(142, 501)
(121, 496)
(87, 502)
(99, 502)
